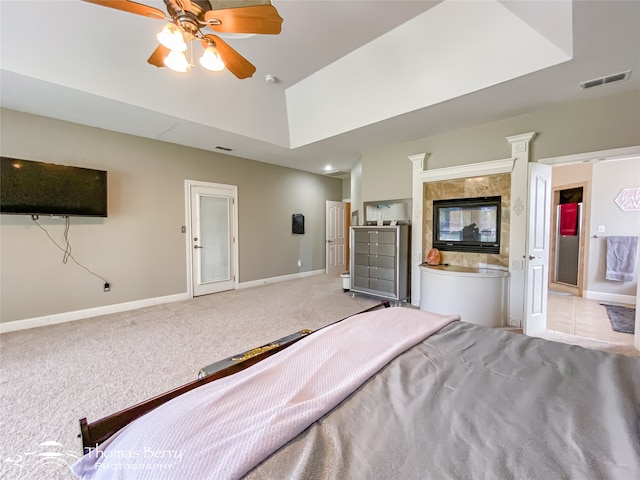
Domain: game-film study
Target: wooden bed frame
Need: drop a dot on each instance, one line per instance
(94, 433)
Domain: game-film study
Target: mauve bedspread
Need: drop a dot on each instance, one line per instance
(476, 403)
(223, 429)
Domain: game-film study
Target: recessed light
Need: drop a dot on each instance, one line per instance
(328, 168)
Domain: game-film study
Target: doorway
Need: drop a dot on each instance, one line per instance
(575, 312)
(211, 237)
(568, 238)
(336, 237)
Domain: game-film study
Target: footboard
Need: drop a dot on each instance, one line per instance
(94, 433)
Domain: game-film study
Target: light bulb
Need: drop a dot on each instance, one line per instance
(171, 37)
(177, 62)
(211, 59)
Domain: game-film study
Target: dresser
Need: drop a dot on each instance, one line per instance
(380, 261)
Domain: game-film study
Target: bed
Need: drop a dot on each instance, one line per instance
(386, 394)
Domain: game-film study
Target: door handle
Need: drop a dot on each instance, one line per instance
(532, 257)
(197, 246)
(329, 241)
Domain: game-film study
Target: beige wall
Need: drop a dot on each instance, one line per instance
(609, 178)
(139, 248)
(346, 189)
(356, 192)
(585, 126)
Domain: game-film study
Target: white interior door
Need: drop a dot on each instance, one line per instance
(212, 239)
(336, 237)
(537, 248)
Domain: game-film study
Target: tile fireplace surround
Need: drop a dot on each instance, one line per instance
(482, 186)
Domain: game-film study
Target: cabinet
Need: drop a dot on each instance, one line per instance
(380, 261)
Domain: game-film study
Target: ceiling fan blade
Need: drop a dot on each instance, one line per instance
(158, 56)
(221, 4)
(131, 7)
(262, 19)
(233, 61)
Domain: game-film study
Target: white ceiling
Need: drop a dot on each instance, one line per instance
(352, 75)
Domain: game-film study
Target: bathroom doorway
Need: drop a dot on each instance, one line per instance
(568, 239)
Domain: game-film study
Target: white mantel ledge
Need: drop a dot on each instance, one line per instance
(469, 170)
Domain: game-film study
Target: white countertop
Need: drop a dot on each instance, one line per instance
(464, 271)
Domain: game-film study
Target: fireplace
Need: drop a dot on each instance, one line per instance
(467, 224)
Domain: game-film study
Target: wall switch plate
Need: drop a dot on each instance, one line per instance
(600, 228)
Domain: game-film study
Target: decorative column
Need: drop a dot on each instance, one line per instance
(415, 259)
(518, 228)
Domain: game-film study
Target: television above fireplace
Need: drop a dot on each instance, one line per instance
(467, 224)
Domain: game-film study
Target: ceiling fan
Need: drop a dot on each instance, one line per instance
(186, 20)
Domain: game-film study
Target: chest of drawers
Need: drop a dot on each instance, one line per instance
(379, 261)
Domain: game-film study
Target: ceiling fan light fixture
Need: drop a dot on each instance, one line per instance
(177, 62)
(171, 36)
(211, 59)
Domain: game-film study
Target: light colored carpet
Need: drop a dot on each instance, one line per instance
(50, 377)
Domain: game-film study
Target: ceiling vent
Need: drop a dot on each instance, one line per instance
(616, 77)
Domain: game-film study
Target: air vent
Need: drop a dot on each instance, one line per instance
(226, 149)
(616, 77)
(592, 83)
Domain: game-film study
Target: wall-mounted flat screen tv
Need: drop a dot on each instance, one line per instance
(38, 188)
(467, 224)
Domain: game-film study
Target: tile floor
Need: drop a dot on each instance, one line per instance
(582, 317)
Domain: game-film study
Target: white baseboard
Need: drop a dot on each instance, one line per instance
(264, 281)
(15, 325)
(610, 297)
(27, 323)
(515, 322)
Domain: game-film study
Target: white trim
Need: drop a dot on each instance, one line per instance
(610, 297)
(88, 313)
(187, 236)
(420, 177)
(519, 221)
(624, 153)
(265, 281)
(480, 169)
(418, 162)
(523, 139)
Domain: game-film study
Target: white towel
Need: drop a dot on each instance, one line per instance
(621, 258)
